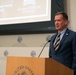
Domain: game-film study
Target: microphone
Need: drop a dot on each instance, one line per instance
(48, 40)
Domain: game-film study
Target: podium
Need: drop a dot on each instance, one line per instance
(35, 66)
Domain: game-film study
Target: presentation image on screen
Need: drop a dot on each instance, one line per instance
(28, 16)
(24, 11)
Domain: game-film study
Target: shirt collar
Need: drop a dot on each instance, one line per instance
(62, 31)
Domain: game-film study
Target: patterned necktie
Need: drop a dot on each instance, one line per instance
(56, 45)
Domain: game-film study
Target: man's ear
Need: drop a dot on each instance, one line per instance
(66, 22)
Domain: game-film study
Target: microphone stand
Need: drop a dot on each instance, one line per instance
(43, 48)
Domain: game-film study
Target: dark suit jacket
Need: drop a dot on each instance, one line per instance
(66, 54)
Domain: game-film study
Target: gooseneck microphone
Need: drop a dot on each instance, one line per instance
(44, 47)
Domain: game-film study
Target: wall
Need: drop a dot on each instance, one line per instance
(70, 9)
(29, 40)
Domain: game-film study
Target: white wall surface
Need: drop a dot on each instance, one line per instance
(29, 40)
(70, 8)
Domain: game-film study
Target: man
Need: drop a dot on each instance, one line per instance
(63, 46)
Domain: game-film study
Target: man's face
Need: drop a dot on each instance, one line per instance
(60, 22)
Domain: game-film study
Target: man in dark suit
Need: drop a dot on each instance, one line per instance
(63, 49)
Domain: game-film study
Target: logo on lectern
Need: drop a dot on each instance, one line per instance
(23, 70)
(22, 73)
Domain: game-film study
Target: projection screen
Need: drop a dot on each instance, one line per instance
(28, 16)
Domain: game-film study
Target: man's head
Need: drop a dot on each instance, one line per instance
(61, 20)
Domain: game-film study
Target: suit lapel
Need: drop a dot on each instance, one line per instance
(62, 41)
(64, 37)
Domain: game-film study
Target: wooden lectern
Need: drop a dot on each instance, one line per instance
(35, 66)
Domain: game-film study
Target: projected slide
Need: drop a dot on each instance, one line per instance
(24, 11)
